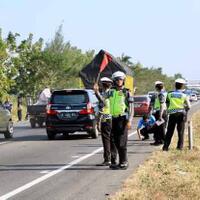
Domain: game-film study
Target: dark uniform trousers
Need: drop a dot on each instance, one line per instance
(159, 133)
(119, 137)
(179, 120)
(147, 130)
(106, 127)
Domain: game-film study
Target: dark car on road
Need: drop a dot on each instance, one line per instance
(6, 123)
(141, 104)
(72, 110)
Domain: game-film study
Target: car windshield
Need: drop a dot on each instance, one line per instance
(69, 98)
(140, 99)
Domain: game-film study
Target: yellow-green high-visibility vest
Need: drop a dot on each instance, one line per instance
(106, 108)
(117, 103)
(176, 101)
(157, 102)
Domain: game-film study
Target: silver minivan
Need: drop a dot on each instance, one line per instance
(6, 123)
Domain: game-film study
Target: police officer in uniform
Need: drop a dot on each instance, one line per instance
(121, 104)
(160, 113)
(177, 104)
(105, 117)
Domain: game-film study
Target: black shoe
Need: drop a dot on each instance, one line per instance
(105, 163)
(165, 148)
(114, 166)
(156, 143)
(123, 165)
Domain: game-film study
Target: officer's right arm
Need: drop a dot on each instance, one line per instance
(162, 100)
(139, 127)
(187, 104)
(139, 134)
(97, 93)
(130, 107)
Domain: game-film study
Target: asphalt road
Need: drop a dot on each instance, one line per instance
(32, 167)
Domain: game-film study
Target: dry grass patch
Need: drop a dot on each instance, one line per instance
(167, 175)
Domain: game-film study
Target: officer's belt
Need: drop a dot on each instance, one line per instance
(176, 111)
(106, 119)
(106, 116)
(116, 116)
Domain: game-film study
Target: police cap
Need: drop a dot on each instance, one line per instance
(180, 80)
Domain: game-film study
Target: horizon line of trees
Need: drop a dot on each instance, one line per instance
(27, 67)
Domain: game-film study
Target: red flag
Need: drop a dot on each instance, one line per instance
(106, 59)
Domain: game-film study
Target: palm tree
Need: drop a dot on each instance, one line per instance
(126, 59)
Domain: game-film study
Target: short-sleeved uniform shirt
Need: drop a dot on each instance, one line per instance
(150, 122)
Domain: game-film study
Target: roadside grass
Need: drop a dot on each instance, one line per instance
(167, 175)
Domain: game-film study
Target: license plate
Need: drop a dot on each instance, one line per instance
(67, 115)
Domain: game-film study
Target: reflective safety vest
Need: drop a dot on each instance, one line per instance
(106, 108)
(118, 103)
(157, 102)
(176, 101)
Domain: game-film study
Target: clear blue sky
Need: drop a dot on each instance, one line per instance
(159, 33)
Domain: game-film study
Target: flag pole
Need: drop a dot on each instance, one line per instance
(98, 77)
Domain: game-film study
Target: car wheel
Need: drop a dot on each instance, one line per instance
(32, 122)
(9, 132)
(66, 134)
(51, 135)
(94, 132)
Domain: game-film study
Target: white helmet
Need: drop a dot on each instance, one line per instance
(118, 74)
(158, 83)
(180, 80)
(106, 79)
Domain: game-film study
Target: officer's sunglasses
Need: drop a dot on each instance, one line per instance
(119, 78)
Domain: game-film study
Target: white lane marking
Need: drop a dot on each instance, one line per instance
(4, 142)
(44, 172)
(75, 156)
(50, 174)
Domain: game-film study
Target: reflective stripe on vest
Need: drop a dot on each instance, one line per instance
(176, 101)
(117, 103)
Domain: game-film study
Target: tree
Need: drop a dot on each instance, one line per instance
(28, 64)
(178, 75)
(6, 69)
(126, 59)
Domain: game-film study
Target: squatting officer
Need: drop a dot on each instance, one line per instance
(177, 103)
(121, 104)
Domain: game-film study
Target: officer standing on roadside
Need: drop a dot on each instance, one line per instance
(121, 104)
(177, 105)
(105, 117)
(160, 113)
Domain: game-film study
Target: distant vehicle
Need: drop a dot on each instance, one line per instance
(37, 111)
(72, 110)
(37, 115)
(198, 96)
(6, 123)
(141, 104)
(151, 93)
(193, 97)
